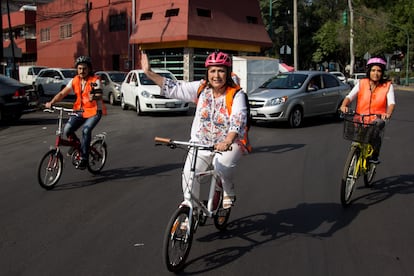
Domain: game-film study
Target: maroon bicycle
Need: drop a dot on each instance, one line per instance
(51, 165)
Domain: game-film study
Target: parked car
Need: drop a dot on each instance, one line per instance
(51, 80)
(296, 95)
(339, 75)
(142, 94)
(28, 73)
(111, 85)
(16, 98)
(354, 79)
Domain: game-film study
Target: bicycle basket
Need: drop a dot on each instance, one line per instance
(358, 131)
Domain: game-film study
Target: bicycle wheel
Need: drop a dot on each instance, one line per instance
(369, 175)
(177, 243)
(350, 176)
(221, 217)
(50, 169)
(97, 156)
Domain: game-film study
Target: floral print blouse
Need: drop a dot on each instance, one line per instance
(211, 121)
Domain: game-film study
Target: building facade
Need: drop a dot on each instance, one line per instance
(19, 39)
(178, 35)
(99, 28)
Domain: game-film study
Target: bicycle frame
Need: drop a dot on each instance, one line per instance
(190, 200)
(366, 150)
(60, 141)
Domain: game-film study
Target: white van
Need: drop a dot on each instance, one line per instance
(28, 73)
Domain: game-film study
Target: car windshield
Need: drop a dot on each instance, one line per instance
(37, 69)
(117, 77)
(285, 81)
(69, 73)
(144, 80)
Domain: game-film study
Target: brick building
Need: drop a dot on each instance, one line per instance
(177, 35)
(62, 30)
(22, 29)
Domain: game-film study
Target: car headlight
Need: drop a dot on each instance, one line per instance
(146, 94)
(277, 101)
(117, 87)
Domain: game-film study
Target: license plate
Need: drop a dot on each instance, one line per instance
(170, 105)
(253, 112)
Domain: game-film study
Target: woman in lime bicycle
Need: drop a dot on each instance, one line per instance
(212, 125)
(375, 95)
(88, 105)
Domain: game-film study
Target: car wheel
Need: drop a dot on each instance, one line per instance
(138, 107)
(296, 117)
(112, 99)
(123, 104)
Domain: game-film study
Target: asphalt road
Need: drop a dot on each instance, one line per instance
(287, 220)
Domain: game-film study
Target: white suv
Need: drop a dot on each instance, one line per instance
(50, 81)
(142, 94)
(354, 79)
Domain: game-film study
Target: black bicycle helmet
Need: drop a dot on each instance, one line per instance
(84, 59)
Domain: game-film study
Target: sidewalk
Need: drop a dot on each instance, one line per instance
(403, 87)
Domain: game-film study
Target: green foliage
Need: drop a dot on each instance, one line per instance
(379, 26)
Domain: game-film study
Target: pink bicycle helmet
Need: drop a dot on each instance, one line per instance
(219, 58)
(376, 60)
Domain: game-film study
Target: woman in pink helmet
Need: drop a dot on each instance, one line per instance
(375, 95)
(212, 124)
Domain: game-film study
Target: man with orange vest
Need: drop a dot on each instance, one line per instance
(88, 105)
(375, 95)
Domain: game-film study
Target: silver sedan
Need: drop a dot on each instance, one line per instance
(294, 96)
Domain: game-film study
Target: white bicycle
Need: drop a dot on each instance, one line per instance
(193, 211)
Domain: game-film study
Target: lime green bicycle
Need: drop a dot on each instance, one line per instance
(361, 131)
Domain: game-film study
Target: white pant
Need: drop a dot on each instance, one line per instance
(224, 164)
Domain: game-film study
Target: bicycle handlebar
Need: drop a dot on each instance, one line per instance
(53, 108)
(173, 143)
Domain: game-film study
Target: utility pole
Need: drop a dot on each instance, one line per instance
(88, 37)
(351, 37)
(13, 59)
(295, 35)
(1, 46)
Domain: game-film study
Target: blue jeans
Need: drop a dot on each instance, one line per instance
(74, 123)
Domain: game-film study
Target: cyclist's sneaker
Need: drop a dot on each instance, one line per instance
(82, 164)
(228, 201)
(184, 225)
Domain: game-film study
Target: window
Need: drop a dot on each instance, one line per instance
(204, 13)
(45, 35)
(330, 81)
(172, 12)
(118, 22)
(65, 31)
(146, 16)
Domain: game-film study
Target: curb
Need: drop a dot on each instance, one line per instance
(403, 87)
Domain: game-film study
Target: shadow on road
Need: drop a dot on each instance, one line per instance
(277, 148)
(118, 174)
(313, 220)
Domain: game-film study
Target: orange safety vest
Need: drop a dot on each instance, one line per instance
(372, 102)
(230, 94)
(82, 102)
